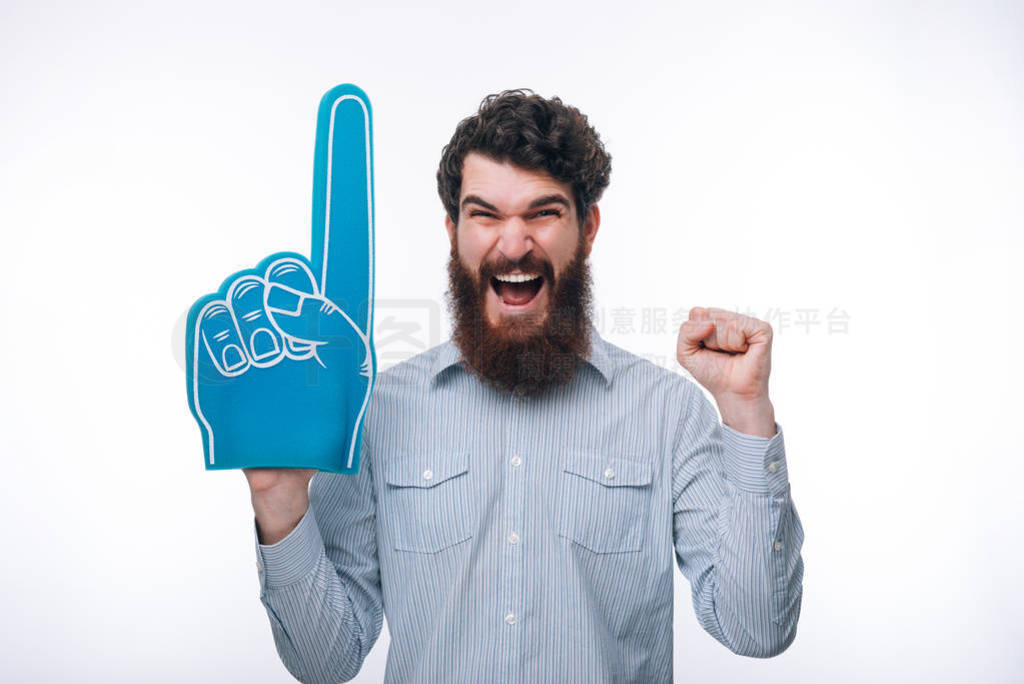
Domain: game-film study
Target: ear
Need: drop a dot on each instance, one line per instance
(449, 225)
(590, 227)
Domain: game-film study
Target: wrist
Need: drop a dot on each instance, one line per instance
(277, 516)
(751, 416)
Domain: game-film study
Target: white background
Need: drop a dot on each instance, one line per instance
(866, 157)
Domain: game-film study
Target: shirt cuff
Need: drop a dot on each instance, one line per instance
(756, 464)
(292, 558)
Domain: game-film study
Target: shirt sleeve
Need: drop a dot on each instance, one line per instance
(736, 531)
(321, 584)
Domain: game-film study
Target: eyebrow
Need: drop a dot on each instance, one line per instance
(550, 199)
(473, 199)
(539, 202)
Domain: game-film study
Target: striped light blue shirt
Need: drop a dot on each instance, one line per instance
(531, 539)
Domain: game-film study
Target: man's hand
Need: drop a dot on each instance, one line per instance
(730, 355)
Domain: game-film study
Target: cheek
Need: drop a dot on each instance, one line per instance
(470, 249)
(562, 253)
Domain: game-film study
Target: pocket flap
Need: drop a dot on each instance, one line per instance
(426, 470)
(610, 471)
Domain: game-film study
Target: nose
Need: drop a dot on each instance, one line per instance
(515, 240)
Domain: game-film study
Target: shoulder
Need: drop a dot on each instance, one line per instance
(634, 373)
(417, 370)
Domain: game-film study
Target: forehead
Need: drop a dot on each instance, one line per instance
(507, 185)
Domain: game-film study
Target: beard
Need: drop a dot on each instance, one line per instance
(524, 353)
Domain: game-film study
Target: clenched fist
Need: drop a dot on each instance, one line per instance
(730, 355)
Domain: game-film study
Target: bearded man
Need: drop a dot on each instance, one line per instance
(523, 483)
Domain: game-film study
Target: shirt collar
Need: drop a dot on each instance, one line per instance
(449, 355)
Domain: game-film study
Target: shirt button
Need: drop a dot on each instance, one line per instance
(609, 473)
(259, 566)
(510, 618)
(516, 461)
(513, 538)
(778, 545)
(428, 474)
(773, 466)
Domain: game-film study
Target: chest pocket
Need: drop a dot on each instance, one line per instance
(429, 501)
(604, 502)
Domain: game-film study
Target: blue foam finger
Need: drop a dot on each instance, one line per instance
(343, 202)
(280, 361)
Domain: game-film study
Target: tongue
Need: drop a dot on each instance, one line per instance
(518, 293)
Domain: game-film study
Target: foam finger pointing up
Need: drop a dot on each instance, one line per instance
(342, 250)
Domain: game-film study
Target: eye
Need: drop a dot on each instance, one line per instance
(477, 212)
(548, 212)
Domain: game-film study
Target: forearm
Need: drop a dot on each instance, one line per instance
(750, 600)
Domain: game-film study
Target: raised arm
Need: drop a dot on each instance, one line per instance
(737, 533)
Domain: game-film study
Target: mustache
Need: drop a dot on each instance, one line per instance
(528, 264)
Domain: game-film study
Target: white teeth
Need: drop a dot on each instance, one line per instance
(517, 278)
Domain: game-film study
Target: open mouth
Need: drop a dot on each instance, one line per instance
(517, 291)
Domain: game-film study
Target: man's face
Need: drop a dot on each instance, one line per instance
(518, 222)
(519, 282)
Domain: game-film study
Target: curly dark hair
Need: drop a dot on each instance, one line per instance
(525, 129)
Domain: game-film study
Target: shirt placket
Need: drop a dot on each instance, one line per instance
(512, 541)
